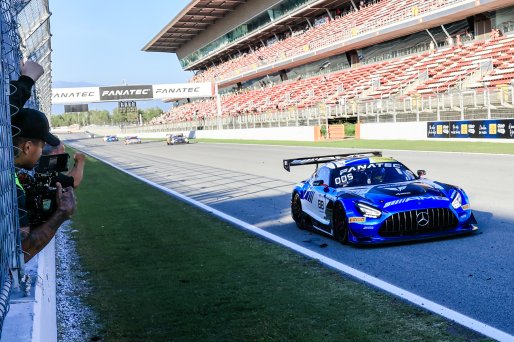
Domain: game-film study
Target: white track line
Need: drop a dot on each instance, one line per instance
(464, 320)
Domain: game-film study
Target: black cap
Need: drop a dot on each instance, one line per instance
(31, 123)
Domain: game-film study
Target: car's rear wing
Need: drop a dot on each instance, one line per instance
(325, 159)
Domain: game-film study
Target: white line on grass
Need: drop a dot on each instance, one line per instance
(464, 320)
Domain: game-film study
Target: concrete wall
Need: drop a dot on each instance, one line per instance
(394, 131)
(368, 131)
(33, 318)
(304, 133)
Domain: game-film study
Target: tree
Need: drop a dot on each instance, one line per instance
(151, 113)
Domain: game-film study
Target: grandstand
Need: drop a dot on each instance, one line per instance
(305, 62)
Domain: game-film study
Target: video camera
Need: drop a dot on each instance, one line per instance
(40, 190)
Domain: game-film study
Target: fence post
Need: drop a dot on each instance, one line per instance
(461, 97)
(488, 96)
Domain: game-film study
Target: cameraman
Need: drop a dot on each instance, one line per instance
(31, 130)
(75, 175)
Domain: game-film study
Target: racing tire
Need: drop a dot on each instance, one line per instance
(340, 225)
(297, 212)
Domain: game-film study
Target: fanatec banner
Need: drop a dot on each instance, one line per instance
(75, 95)
(135, 92)
(131, 92)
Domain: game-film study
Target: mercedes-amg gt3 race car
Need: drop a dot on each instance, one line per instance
(110, 138)
(366, 199)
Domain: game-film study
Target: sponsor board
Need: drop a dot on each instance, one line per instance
(488, 129)
(135, 92)
(75, 95)
(131, 92)
(186, 90)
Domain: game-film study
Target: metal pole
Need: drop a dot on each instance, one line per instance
(461, 106)
(218, 105)
(488, 96)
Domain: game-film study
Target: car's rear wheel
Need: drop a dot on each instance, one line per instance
(297, 212)
(340, 225)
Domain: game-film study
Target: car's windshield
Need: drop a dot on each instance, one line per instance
(371, 174)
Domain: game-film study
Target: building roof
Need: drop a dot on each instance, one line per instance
(195, 18)
(190, 22)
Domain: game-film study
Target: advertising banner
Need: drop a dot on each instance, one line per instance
(182, 91)
(485, 129)
(132, 92)
(75, 95)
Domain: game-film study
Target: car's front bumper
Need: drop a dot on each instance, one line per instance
(370, 234)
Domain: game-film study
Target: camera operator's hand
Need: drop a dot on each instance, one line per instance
(79, 157)
(31, 69)
(65, 201)
(77, 172)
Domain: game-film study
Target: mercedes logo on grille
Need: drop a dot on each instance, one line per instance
(422, 218)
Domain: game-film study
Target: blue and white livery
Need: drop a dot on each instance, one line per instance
(366, 199)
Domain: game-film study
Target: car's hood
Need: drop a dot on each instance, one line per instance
(402, 196)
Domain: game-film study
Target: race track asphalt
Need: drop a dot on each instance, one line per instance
(473, 275)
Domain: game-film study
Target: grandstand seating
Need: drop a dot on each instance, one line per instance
(488, 63)
(366, 19)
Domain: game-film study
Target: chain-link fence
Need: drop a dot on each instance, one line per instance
(25, 31)
(9, 237)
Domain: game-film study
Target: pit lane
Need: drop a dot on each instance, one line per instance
(471, 275)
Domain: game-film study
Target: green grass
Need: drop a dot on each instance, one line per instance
(415, 145)
(162, 270)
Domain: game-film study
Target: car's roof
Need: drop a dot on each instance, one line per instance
(359, 161)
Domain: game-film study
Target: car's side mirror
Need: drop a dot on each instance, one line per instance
(318, 182)
(421, 173)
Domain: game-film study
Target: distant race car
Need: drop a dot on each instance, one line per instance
(172, 139)
(132, 140)
(110, 138)
(366, 199)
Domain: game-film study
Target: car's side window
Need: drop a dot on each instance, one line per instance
(324, 175)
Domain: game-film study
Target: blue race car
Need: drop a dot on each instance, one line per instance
(110, 138)
(365, 198)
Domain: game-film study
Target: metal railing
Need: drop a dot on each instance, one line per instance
(466, 104)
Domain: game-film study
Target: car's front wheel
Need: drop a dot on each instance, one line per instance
(297, 212)
(340, 224)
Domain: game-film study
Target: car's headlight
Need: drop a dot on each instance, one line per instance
(457, 200)
(368, 211)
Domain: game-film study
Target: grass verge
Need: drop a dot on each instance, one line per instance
(162, 270)
(415, 145)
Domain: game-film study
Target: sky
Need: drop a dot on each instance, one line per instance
(100, 42)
